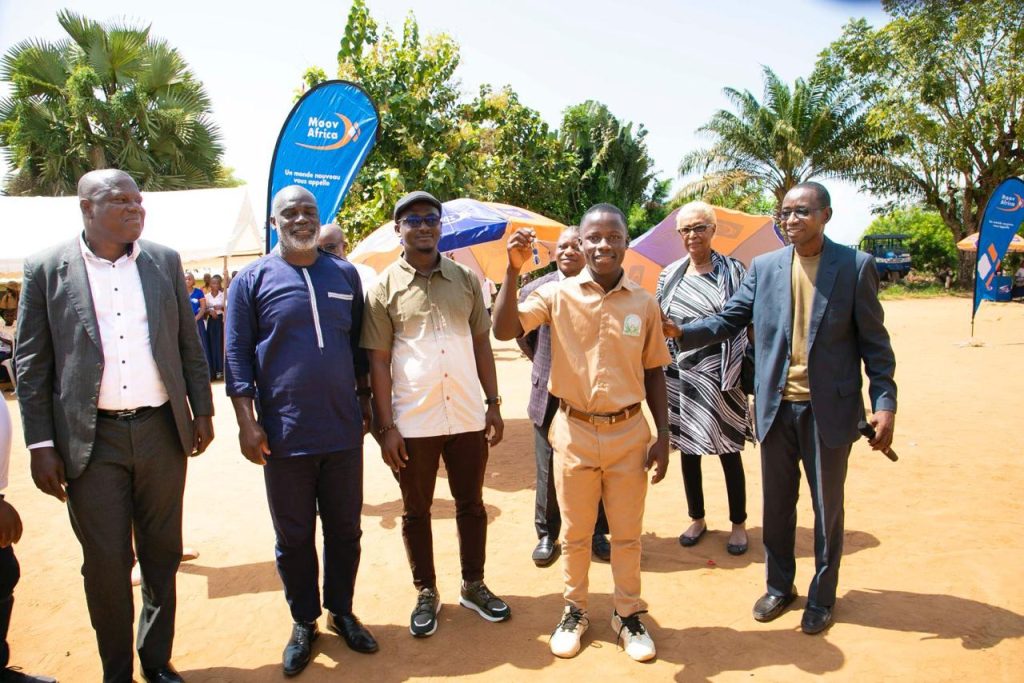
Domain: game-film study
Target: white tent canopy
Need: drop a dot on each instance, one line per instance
(200, 224)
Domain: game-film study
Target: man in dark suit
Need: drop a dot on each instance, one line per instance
(542, 408)
(816, 316)
(115, 394)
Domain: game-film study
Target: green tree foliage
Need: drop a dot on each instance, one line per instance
(520, 161)
(811, 130)
(944, 86)
(931, 243)
(424, 145)
(613, 162)
(109, 95)
(652, 210)
(492, 147)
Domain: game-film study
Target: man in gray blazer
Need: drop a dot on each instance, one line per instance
(115, 394)
(816, 316)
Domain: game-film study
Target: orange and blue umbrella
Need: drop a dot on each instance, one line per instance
(473, 233)
(740, 235)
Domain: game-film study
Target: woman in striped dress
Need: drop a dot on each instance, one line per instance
(707, 408)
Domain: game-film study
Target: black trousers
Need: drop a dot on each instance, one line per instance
(134, 481)
(735, 486)
(465, 459)
(792, 439)
(10, 572)
(547, 518)
(297, 488)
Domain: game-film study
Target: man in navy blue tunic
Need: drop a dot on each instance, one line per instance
(293, 325)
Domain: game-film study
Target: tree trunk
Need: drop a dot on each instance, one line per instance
(965, 268)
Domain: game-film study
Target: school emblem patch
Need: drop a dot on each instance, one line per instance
(631, 325)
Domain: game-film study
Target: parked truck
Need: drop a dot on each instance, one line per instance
(892, 257)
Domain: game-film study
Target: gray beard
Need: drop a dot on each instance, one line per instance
(293, 245)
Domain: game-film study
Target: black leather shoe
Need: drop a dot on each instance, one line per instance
(601, 547)
(545, 552)
(770, 606)
(297, 651)
(816, 619)
(162, 674)
(352, 630)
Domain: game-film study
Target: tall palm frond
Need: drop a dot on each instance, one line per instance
(790, 135)
(107, 94)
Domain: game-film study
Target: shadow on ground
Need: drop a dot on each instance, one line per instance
(666, 555)
(522, 644)
(241, 579)
(945, 617)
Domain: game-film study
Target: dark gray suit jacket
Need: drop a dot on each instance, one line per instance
(59, 357)
(846, 328)
(537, 347)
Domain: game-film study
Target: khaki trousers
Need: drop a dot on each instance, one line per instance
(595, 463)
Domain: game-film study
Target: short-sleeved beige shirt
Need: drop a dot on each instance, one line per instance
(601, 343)
(428, 324)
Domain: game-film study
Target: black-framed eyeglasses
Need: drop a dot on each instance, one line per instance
(414, 222)
(695, 229)
(799, 212)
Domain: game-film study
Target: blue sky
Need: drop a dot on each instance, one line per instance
(662, 63)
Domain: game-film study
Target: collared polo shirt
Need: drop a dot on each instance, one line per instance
(428, 323)
(292, 345)
(601, 343)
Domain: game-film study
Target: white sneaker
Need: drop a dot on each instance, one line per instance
(634, 637)
(565, 641)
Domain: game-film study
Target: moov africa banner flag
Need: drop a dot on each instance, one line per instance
(1003, 217)
(323, 144)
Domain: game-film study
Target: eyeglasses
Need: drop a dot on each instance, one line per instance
(414, 222)
(695, 229)
(799, 212)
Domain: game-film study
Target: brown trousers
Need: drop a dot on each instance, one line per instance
(601, 463)
(465, 459)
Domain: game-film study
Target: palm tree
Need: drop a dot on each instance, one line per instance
(108, 95)
(613, 161)
(813, 130)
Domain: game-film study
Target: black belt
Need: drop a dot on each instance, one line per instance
(127, 415)
(600, 418)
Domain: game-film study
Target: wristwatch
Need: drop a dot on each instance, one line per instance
(496, 401)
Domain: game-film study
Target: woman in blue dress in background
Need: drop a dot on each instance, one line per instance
(198, 301)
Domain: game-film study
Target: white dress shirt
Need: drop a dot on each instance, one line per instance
(131, 378)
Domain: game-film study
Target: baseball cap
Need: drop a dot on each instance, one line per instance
(412, 198)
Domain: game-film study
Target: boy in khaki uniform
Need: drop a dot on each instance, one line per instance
(607, 354)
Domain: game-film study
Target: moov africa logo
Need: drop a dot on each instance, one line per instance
(336, 134)
(1010, 202)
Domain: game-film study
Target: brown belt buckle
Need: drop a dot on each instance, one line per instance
(602, 419)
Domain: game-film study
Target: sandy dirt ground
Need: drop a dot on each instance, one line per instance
(930, 587)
